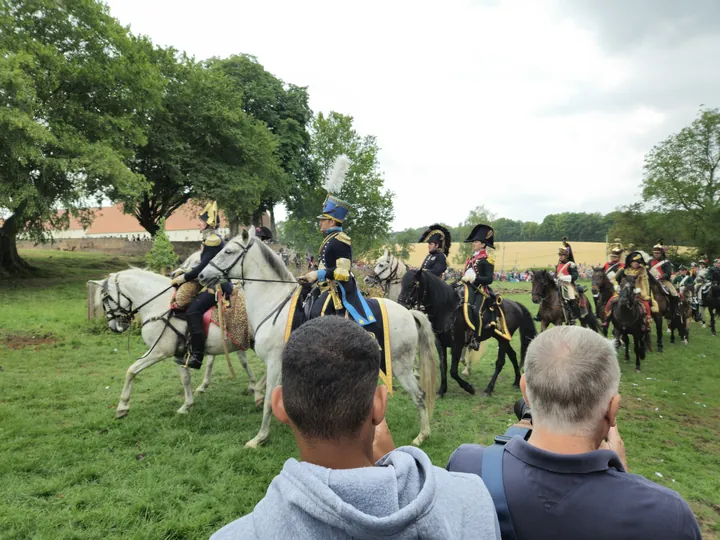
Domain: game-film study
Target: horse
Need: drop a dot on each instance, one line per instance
(445, 311)
(683, 316)
(388, 273)
(602, 291)
(545, 293)
(269, 287)
(663, 309)
(628, 318)
(148, 295)
(711, 301)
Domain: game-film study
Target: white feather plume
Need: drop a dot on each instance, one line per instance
(646, 257)
(336, 175)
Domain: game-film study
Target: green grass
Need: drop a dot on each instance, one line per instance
(69, 470)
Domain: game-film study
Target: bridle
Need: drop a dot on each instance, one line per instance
(117, 312)
(225, 272)
(413, 299)
(391, 279)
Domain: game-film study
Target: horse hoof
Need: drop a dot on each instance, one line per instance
(259, 402)
(440, 394)
(200, 390)
(252, 443)
(417, 441)
(487, 393)
(251, 390)
(183, 410)
(516, 386)
(637, 370)
(119, 415)
(471, 390)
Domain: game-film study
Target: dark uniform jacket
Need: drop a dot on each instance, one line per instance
(664, 269)
(712, 275)
(435, 263)
(211, 246)
(336, 246)
(484, 267)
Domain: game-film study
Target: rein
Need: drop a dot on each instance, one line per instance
(390, 280)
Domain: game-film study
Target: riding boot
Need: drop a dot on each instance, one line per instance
(474, 342)
(492, 312)
(197, 343)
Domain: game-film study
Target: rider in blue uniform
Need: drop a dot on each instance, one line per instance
(439, 241)
(212, 244)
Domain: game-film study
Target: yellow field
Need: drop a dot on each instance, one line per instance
(523, 255)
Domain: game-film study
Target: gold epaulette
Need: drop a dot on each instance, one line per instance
(344, 238)
(491, 259)
(213, 240)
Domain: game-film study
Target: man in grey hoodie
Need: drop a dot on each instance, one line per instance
(330, 399)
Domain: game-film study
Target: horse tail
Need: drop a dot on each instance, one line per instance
(592, 322)
(527, 331)
(428, 358)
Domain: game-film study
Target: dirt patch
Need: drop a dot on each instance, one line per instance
(23, 341)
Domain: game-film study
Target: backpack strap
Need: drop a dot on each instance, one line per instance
(492, 475)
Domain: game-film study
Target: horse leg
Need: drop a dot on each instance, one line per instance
(260, 390)
(274, 365)
(456, 352)
(513, 358)
(464, 360)
(639, 340)
(712, 320)
(443, 371)
(499, 363)
(210, 359)
(187, 388)
(408, 381)
(659, 329)
(626, 340)
(251, 378)
(146, 361)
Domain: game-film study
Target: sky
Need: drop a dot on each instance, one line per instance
(528, 107)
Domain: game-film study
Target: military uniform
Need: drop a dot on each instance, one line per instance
(614, 265)
(661, 269)
(681, 281)
(479, 273)
(566, 274)
(212, 244)
(642, 284)
(435, 261)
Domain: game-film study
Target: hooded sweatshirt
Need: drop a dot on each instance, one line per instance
(403, 497)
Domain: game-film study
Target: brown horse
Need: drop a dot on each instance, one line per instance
(602, 291)
(545, 293)
(663, 309)
(683, 316)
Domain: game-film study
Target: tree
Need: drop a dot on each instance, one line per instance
(682, 173)
(285, 111)
(477, 215)
(162, 255)
(364, 189)
(74, 88)
(201, 144)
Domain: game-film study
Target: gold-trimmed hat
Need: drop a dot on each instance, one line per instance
(566, 249)
(210, 215)
(635, 256)
(616, 248)
(482, 233)
(439, 235)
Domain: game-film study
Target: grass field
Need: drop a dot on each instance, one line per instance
(69, 470)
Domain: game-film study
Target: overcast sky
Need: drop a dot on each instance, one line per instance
(528, 107)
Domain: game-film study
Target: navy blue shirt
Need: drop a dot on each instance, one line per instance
(581, 496)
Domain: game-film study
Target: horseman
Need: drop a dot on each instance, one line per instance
(713, 273)
(263, 234)
(683, 279)
(438, 240)
(479, 272)
(661, 270)
(334, 274)
(612, 267)
(635, 266)
(700, 280)
(211, 245)
(566, 275)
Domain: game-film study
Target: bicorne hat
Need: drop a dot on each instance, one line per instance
(210, 215)
(635, 256)
(484, 234)
(439, 235)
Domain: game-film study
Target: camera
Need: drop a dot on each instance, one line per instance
(522, 410)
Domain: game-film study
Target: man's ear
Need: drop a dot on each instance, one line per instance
(613, 408)
(278, 407)
(379, 404)
(523, 388)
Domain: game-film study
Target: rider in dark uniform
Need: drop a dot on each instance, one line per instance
(263, 234)
(334, 265)
(480, 271)
(212, 244)
(439, 241)
(661, 270)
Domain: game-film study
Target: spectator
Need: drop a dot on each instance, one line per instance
(569, 479)
(330, 398)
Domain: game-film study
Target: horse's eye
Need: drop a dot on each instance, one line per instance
(229, 251)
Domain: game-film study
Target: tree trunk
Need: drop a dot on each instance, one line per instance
(11, 264)
(234, 227)
(273, 228)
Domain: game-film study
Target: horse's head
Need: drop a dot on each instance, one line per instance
(540, 282)
(411, 291)
(627, 290)
(598, 278)
(382, 271)
(116, 305)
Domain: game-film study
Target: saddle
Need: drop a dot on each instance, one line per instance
(235, 317)
(475, 310)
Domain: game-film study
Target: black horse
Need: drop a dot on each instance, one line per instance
(711, 300)
(443, 306)
(545, 292)
(683, 316)
(629, 318)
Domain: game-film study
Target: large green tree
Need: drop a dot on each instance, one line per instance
(75, 87)
(372, 213)
(200, 144)
(284, 110)
(683, 173)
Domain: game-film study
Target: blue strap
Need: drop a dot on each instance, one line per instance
(362, 321)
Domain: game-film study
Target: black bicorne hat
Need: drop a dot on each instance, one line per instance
(635, 256)
(438, 235)
(263, 233)
(484, 234)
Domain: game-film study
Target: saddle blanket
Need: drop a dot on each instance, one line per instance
(323, 306)
(474, 313)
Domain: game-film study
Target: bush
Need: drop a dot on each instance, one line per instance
(161, 258)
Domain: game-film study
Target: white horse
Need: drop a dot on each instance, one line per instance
(148, 295)
(268, 286)
(388, 274)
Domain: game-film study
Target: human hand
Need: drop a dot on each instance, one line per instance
(382, 442)
(614, 442)
(310, 277)
(176, 282)
(467, 278)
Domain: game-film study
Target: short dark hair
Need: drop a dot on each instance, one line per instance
(330, 369)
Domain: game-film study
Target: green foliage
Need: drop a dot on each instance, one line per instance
(372, 213)
(72, 471)
(161, 256)
(74, 89)
(477, 215)
(682, 173)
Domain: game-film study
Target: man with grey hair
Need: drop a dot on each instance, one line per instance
(570, 479)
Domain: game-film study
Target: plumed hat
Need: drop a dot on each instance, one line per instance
(438, 235)
(616, 248)
(566, 249)
(334, 207)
